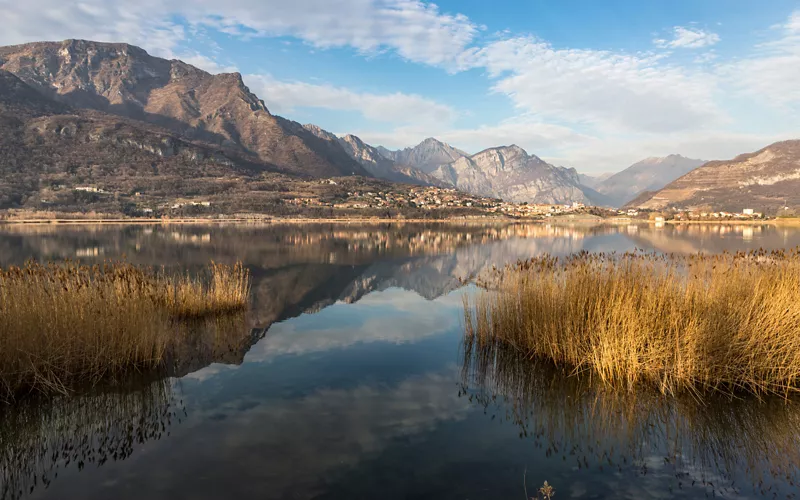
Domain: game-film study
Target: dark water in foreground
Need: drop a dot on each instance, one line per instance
(354, 382)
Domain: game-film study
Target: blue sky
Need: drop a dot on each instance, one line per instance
(593, 85)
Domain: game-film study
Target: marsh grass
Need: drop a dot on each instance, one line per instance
(67, 324)
(728, 322)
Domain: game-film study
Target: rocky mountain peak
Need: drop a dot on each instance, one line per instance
(320, 132)
(355, 141)
(425, 156)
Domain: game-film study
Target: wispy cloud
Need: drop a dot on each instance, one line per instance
(770, 75)
(397, 107)
(688, 38)
(606, 89)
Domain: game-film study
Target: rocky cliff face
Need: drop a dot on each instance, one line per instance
(425, 156)
(124, 80)
(374, 162)
(765, 181)
(650, 174)
(510, 173)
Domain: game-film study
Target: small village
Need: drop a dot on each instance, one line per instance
(434, 198)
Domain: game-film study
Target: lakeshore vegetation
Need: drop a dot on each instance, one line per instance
(728, 322)
(64, 325)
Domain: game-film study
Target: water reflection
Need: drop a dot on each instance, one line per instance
(345, 366)
(40, 438)
(724, 447)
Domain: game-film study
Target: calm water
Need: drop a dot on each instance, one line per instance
(352, 381)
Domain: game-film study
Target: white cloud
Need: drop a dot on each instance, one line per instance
(94, 20)
(688, 38)
(415, 30)
(772, 73)
(605, 89)
(283, 97)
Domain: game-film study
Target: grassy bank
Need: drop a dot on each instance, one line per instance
(727, 322)
(63, 325)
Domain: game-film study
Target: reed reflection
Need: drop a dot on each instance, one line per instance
(719, 445)
(40, 439)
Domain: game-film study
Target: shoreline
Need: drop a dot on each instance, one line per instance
(238, 220)
(379, 220)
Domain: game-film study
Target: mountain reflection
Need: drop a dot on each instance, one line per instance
(722, 445)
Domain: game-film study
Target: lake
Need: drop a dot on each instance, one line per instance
(352, 380)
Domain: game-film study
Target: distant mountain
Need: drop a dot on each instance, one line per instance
(650, 174)
(765, 181)
(510, 173)
(124, 80)
(425, 156)
(593, 181)
(374, 162)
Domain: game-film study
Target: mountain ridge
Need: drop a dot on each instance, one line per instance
(124, 80)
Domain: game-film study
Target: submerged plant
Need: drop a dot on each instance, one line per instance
(728, 322)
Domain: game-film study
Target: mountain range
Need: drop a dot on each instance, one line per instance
(80, 111)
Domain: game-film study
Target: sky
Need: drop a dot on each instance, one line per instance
(581, 83)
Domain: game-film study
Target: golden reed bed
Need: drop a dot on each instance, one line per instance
(67, 324)
(728, 322)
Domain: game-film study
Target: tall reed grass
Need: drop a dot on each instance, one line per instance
(728, 322)
(67, 324)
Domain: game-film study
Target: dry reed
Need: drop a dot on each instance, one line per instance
(727, 322)
(68, 324)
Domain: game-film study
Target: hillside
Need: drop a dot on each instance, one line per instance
(650, 174)
(765, 181)
(124, 80)
(47, 147)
